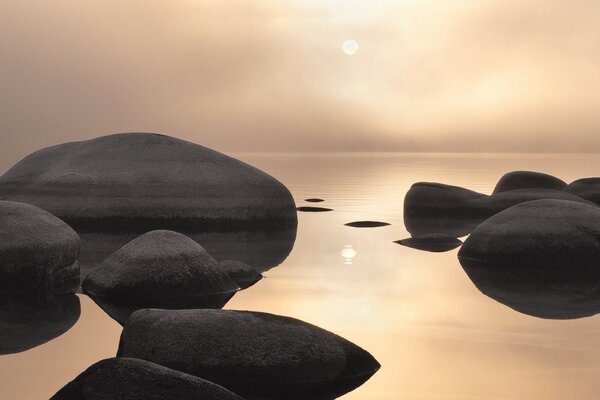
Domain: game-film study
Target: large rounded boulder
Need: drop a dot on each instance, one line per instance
(162, 269)
(528, 180)
(241, 273)
(38, 252)
(147, 180)
(133, 379)
(587, 188)
(257, 355)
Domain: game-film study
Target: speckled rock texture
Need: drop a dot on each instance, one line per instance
(434, 242)
(257, 355)
(528, 180)
(38, 252)
(587, 188)
(133, 379)
(162, 269)
(544, 234)
(148, 180)
(241, 273)
(28, 321)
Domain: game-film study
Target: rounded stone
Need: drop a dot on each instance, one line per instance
(587, 188)
(133, 379)
(241, 273)
(257, 355)
(38, 252)
(528, 180)
(147, 180)
(434, 242)
(162, 269)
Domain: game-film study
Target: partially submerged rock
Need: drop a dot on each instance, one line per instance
(162, 269)
(434, 242)
(313, 209)
(587, 188)
(528, 180)
(366, 224)
(240, 272)
(148, 181)
(38, 252)
(30, 321)
(314, 200)
(133, 379)
(257, 355)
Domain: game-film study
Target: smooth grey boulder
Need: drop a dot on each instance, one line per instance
(133, 379)
(434, 242)
(30, 321)
(162, 269)
(257, 355)
(38, 252)
(148, 181)
(240, 272)
(528, 180)
(541, 234)
(587, 188)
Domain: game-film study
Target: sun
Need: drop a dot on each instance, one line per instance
(350, 47)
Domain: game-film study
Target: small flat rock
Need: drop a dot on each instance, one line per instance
(366, 224)
(257, 355)
(314, 200)
(313, 209)
(435, 242)
(133, 379)
(241, 273)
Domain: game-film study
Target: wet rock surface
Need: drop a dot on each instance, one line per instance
(257, 355)
(134, 379)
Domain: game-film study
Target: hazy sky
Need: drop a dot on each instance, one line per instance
(498, 75)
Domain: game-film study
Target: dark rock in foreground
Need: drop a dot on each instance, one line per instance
(148, 181)
(434, 242)
(587, 188)
(540, 258)
(528, 180)
(366, 224)
(28, 322)
(38, 252)
(257, 355)
(240, 272)
(162, 269)
(133, 379)
(314, 200)
(313, 209)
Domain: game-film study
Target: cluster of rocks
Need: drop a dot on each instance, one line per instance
(129, 197)
(534, 243)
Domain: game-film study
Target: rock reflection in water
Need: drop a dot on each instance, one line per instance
(27, 322)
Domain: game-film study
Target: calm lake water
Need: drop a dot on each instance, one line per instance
(434, 333)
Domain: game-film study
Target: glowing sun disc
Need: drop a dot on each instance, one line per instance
(350, 47)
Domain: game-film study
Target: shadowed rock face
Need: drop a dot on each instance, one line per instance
(454, 211)
(147, 180)
(38, 252)
(241, 273)
(434, 242)
(133, 379)
(27, 322)
(162, 269)
(587, 188)
(257, 355)
(539, 257)
(528, 180)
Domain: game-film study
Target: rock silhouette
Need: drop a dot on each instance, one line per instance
(38, 252)
(587, 188)
(314, 200)
(366, 224)
(313, 209)
(30, 321)
(434, 242)
(149, 181)
(133, 379)
(528, 180)
(257, 355)
(162, 269)
(240, 272)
